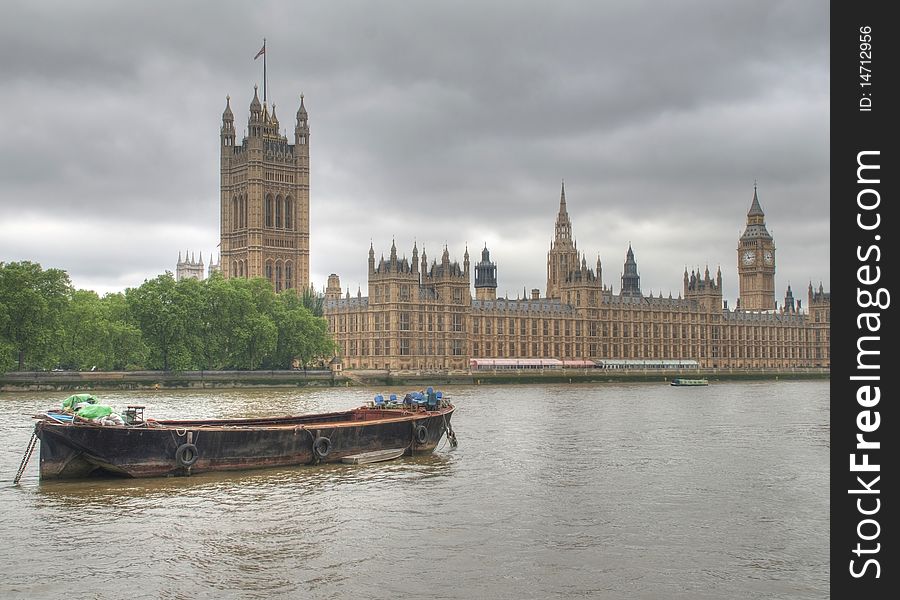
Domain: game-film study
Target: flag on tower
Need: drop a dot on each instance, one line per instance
(261, 51)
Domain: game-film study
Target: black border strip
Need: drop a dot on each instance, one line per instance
(863, 268)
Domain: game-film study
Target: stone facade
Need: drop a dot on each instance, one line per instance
(189, 267)
(265, 199)
(414, 318)
(425, 318)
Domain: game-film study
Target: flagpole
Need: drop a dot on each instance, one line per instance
(264, 70)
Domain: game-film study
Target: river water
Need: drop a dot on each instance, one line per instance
(555, 491)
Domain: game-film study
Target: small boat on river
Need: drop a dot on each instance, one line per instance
(74, 447)
(683, 381)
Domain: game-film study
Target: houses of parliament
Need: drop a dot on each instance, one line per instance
(422, 316)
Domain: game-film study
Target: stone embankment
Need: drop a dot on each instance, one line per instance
(148, 380)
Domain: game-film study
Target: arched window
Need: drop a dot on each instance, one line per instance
(269, 271)
(234, 268)
(278, 277)
(288, 275)
(234, 214)
(269, 210)
(279, 208)
(244, 211)
(288, 213)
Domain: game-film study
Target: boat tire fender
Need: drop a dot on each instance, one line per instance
(421, 434)
(321, 447)
(186, 455)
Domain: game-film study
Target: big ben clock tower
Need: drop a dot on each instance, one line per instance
(756, 262)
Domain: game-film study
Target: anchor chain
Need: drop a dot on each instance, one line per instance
(31, 444)
(451, 435)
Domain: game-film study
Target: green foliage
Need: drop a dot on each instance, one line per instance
(155, 309)
(313, 301)
(162, 324)
(301, 335)
(32, 302)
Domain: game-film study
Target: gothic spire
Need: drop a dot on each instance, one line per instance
(301, 112)
(755, 208)
(227, 115)
(255, 105)
(563, 224)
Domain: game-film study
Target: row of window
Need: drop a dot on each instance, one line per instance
(568, 328)
(280, 274)
(405, 347)
(279, 212)
(408, 292)
(637, 351)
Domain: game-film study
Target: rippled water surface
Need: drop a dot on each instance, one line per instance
(555, 491)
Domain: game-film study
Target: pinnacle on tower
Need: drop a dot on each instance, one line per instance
(301, 112)
(255, 105)
(755, 208)
(563, 224)
(227, 115)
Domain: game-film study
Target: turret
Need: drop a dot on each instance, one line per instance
(301, 130)
(255, 124)
(789, 306)
(333, 290)
(485, 277)
(227, 133)
(631, 281)
(274, 122)
(599, 272)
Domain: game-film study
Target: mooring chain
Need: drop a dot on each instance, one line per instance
(451, 435)
(31, 444)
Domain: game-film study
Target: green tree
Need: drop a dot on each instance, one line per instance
(223, 308)
(33, 301)
(157, 309)
(123, 345)
(81, 336)
(301, 335)
(6, 347)
(254, 336)
(313, 301)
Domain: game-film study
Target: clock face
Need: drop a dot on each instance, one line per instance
(769, 257)
(749, 257)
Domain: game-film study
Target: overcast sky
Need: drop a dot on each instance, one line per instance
(437, 122)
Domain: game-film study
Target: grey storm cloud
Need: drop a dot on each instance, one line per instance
(435, 123)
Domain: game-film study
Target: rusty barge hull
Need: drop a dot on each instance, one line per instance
(185, 447)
